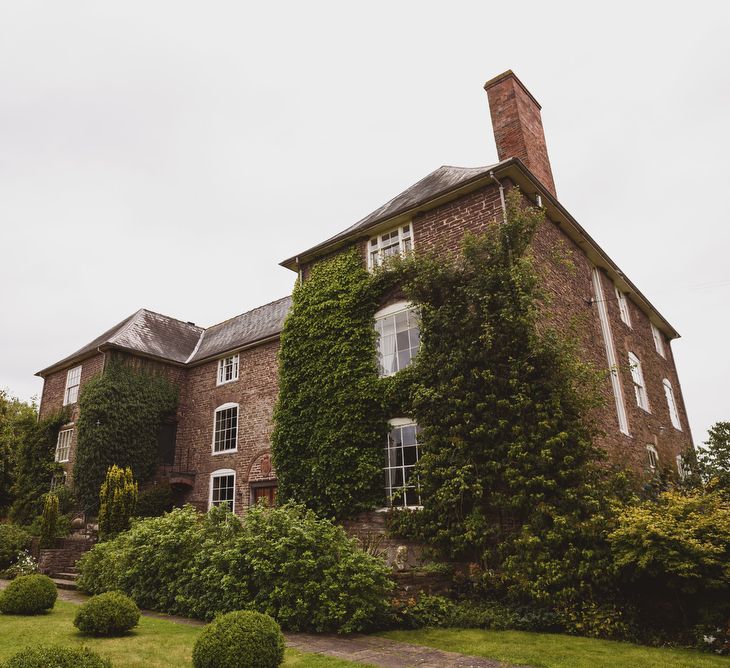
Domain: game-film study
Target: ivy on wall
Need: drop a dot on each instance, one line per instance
(35, 467)
(120, 416)
(328, 440)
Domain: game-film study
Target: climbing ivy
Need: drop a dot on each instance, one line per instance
(120, 415)
(329, 421)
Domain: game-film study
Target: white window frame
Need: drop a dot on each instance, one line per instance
(658, 340)
(681, 471)
(376, 245)
(222, 367)
(672, 404)
(388, 312)
(623, 306)
(653, 456)
(71, 392)
(63, 445)
(394, 423)
(59, 480)
(225, 407)
(637, 379)
(221, 473)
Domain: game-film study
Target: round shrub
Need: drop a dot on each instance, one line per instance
(242, 639)
(55, 656)
(28, 595)
(13, 540)
(107, 614)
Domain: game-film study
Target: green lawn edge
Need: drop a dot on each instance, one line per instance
(552, 650)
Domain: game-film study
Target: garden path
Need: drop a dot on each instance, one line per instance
(369, 650)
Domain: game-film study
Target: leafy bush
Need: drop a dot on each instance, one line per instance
(13, 540)
(672, 558)
(154, 501)
(25, 564)
(49, 520)
(117, 499)
(242, 639)
(28, 595)
(56, 656)
(107, 614)
(304, 572)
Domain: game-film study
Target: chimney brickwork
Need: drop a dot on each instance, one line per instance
(517, 126)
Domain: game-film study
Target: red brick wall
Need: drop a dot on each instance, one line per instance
(255, 391)
(54, 387)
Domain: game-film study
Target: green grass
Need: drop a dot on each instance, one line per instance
(549, 650)
(155, 643)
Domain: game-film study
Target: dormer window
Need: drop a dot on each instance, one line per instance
(398, 241)
(227, 369)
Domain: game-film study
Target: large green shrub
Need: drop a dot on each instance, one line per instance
(107, 614)
(28, 595)
(120, 415)
(242, 639)
(57, 656)
(117, 501)
(154, 501)
(285, 562)
(13, 540)
(329, 419)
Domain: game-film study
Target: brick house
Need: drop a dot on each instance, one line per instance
(218, 449)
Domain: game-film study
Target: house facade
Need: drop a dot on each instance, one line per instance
(218, 448)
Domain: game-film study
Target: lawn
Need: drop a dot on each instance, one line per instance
(155, 643)
(548, 650)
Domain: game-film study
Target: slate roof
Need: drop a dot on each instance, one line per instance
(439, 182)
(153, 334)
(256, 325)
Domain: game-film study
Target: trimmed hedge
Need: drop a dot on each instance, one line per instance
(55, 656)
(28, 595)
(242, 639)
(13, 540)
(285, 562)
(107, 614)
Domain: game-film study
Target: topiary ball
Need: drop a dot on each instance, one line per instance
(107, 614)
(28, 595)
(55, 656)
(242, 639)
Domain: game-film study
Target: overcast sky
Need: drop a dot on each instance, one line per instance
(169, 155)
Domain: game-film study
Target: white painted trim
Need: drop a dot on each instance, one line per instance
(401, 422)
(600, 301)
(219, 368)
(672, 404)
(637, 373)
(220, 473)
(392, 309)
(379, 235)
(223, 407)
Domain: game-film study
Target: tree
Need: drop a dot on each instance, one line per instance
(117, 501)
(17, 419)
(714, 459)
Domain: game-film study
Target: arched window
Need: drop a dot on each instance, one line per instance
(398, 337)
(225, 429)
(222, 488)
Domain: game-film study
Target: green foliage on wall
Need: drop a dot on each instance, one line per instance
(120, 416)
(328, 439)
(117, 501)
(17, 420)
(35, 467)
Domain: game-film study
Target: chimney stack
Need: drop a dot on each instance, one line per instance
(517, 126)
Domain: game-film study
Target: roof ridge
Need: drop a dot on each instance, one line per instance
(169, 317)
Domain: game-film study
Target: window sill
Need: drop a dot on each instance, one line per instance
(226, 382)
(224, 452)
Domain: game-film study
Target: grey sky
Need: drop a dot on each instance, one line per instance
(168, 155)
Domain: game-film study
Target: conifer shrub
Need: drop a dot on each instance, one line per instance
(107, 614)
(28, 595)
(13, 540)
(242, 639)
(57, 656)
(117, 501)
(49, 521)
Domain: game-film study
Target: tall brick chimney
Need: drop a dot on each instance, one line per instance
(517, 125)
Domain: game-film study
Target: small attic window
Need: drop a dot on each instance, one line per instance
(227, 369)
(398, 241)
